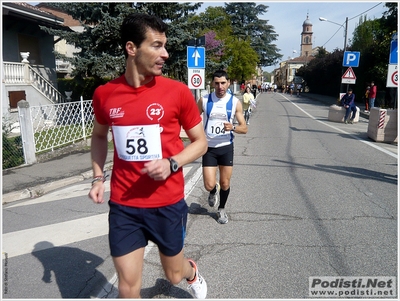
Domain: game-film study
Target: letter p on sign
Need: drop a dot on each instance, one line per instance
(351, 59)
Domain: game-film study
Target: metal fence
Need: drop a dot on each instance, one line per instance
(11, 144)
(45, 128)
(61, 124)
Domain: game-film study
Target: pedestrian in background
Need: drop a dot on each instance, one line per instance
(247, 99)
(372, 95)
(219, 108)
(242, 87)
(146, 112)
(291, 88)
(298, 87)
(348, 102)
(366, 99)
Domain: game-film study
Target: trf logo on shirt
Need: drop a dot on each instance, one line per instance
(116, 113)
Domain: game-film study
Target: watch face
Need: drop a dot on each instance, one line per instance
(174, 165)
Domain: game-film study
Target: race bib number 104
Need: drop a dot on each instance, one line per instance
(138, 143)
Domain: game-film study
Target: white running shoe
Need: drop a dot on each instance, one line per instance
(213, 198)
(198, 286)
(222, 216)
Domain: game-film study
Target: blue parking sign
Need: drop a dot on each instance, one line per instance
(196, 57)
(393, 52)
(351, 59)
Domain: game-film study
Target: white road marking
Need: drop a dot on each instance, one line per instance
(344, 132)
(23, 242)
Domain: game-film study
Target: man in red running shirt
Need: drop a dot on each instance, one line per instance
(146, 112)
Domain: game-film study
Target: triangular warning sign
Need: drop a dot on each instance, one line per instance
(349, 74)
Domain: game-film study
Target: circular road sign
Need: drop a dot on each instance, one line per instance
(196, 80)
(395, 76)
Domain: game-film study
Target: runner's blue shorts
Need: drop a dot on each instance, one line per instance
(131, 228)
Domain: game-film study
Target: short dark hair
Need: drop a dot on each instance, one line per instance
(220, 73)
(134, 27)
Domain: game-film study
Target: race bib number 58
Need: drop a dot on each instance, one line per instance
(138, 142)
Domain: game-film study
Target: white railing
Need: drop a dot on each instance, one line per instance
(14, 73)
(21, 73)
(45, 87)
(62, 66)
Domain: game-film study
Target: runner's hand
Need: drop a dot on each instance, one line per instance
(96, 193)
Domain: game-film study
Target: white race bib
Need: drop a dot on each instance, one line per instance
(215, 125)
(138, 142)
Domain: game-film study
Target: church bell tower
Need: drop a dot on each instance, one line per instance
(306, 38)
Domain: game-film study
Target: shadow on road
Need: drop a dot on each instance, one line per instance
(73, 270)
(163, 288)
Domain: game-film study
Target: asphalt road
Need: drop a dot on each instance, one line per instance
(309, 198)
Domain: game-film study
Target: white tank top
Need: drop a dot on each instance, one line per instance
(216, 111)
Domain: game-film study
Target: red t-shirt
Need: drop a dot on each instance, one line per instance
(163, 102)
(372, 92)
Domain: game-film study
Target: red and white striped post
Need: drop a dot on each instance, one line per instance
(381, 119)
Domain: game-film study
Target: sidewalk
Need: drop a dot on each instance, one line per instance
(34, 180)
(31, 181)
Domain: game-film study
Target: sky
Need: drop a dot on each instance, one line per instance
(287, 19)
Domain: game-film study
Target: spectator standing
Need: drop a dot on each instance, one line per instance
(146, 112)
(242, 88)
(366, 99)
(372, 95)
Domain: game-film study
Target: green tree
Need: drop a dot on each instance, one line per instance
(214, 18)
(246, 23)
(323, 74)
(222, 46)
(372, 39)
(243, 59)
(321, 52)
(214, 24)
(101, 55)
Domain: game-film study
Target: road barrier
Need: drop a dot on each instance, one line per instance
(336, 113)
(382, 125)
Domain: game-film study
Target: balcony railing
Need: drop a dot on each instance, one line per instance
(62, 66)
(22, 73)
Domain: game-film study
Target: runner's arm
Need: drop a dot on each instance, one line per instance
(99, 148)
(242, 127)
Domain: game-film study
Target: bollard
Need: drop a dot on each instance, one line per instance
(25, 123)
(382, 125)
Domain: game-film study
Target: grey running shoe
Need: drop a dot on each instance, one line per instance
(198, 287)
(213, 199)
(222, 216)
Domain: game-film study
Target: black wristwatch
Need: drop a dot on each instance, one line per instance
(173, 164)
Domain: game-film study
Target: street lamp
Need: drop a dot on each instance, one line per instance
(341, 25)
(345, 37)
